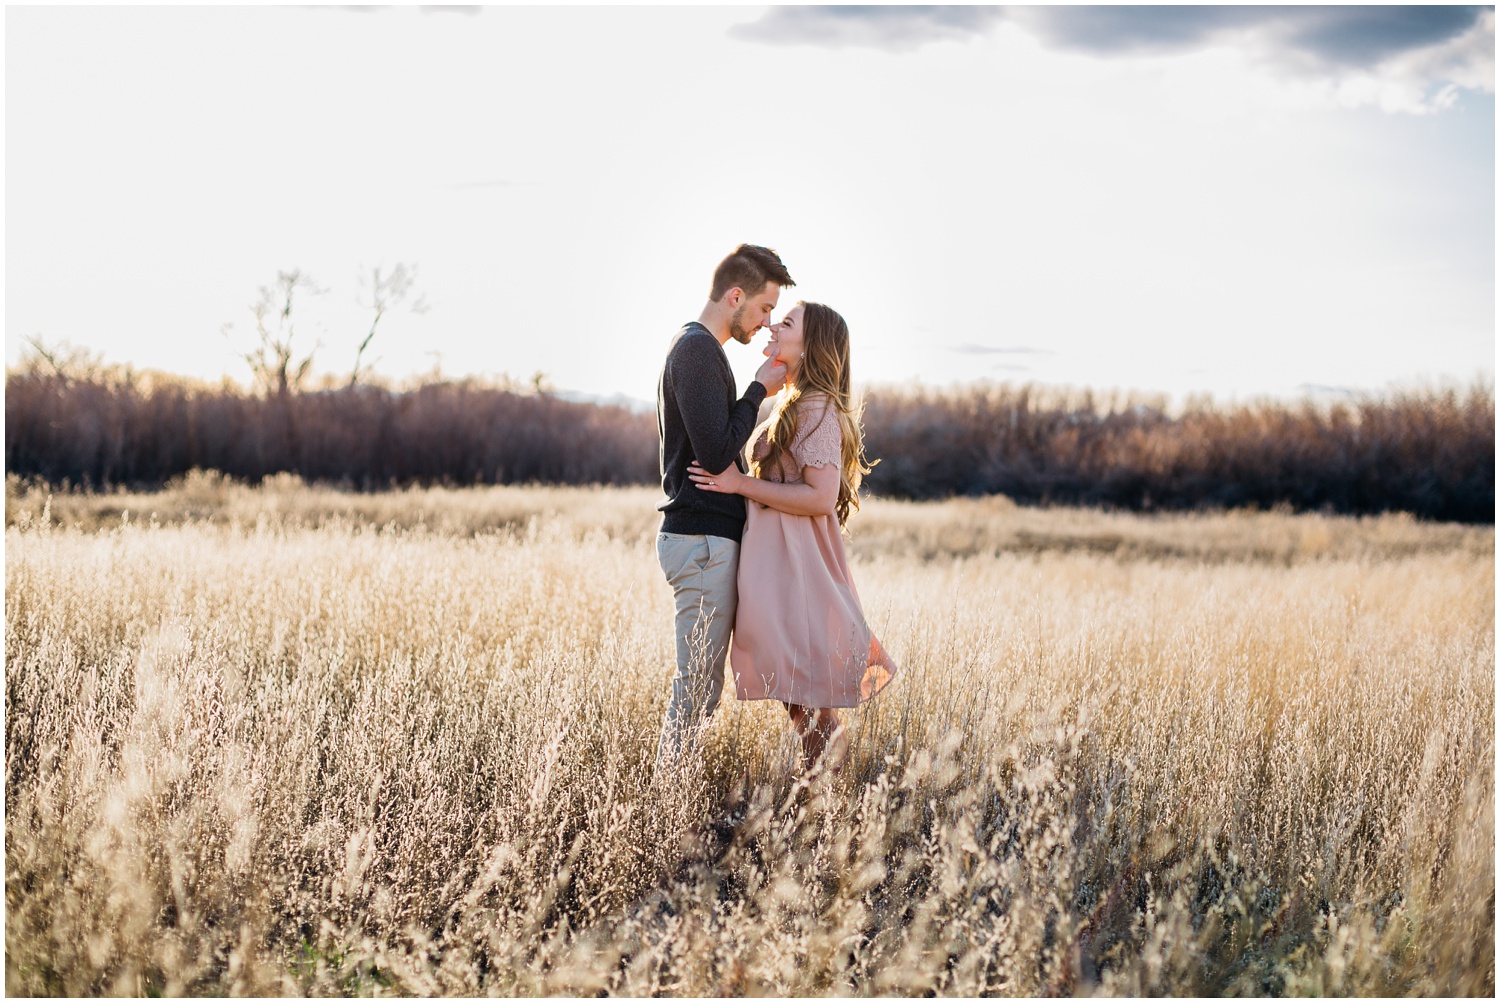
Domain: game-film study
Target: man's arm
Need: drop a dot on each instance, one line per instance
(716, 437)
(818, 494)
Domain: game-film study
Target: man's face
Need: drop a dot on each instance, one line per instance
(754, 312)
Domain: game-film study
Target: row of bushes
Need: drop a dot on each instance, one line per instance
(1431, 453)
(128, 431)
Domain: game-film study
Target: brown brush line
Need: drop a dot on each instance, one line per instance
(1430, 453)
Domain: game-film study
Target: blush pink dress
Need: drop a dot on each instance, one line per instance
(800, 634)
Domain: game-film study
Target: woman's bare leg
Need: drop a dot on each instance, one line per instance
(835, 744)
(831, 732)
(817, 727)
(800, 723)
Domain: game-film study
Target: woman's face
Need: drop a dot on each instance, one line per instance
(786, 341)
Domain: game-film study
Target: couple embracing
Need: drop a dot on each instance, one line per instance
(751, 538)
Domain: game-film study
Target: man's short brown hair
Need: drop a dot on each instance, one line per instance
(750, 267)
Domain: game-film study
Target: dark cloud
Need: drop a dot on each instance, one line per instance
(1357, 37)
(894, 28)
(1378, 32)
(1106, 30)
(1339, 36)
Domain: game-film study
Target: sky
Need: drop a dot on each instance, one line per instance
(1236, 201)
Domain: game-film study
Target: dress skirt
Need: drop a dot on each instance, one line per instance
(800, 634)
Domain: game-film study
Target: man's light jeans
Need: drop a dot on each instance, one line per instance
(701, 571)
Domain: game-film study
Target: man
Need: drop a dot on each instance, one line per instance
(698, 418)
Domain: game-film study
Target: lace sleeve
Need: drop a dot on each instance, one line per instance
(820, 441)
(759, 444)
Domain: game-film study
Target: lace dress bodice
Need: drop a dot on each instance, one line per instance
(819, 441)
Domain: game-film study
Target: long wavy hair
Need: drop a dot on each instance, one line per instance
(825, 370)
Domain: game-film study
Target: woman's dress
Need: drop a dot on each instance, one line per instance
(800, 634)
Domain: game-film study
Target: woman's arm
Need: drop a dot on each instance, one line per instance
(817, 495)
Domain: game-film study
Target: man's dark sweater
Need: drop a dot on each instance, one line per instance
(698, 418)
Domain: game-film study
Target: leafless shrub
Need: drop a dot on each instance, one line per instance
(1427, 453)
(381, 294)
(1430, 453)
(133, 432)
(279, 363)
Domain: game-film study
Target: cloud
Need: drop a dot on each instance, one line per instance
(1325, 390)
(425, 8)
(497, 183)
(894, 28)
(1339, 37)
(1401, 58)
(1428, 79)
(970, 348)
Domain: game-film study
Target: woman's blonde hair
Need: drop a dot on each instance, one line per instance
(824, 370)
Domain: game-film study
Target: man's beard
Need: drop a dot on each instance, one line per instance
(737, 329)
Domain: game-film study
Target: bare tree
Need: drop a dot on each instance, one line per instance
(274, 361)
(67, 361)
(382, 294)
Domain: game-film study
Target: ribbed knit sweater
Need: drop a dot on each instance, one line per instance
(698, 418)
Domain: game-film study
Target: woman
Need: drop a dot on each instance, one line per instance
(800, 635)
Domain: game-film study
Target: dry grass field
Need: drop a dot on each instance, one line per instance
(291, 740)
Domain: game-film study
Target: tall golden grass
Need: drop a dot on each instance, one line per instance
(289, 740)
